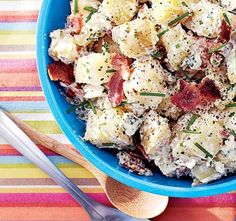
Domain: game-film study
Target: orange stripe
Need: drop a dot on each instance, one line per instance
(43, 213)
(197, 214)
(20, 79)
(6, 149)
(18, 16)
(26, 98)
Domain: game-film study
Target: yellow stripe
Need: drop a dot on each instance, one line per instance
(28, 55)
(29, 111)
(21, 93)
(48, 190)
(24, 39)
(15, 173)
(47, 127)
(16, 32)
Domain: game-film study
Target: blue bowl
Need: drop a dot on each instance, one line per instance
(53, 16)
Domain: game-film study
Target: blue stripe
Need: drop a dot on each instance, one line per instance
(24, 105)
(22, 159)
(18, 26)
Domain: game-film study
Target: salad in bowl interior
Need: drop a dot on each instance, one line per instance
(155, 82)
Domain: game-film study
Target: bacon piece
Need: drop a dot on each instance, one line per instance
(119, 61)
(122, 64)
(133, 163)
(209, 90)
(58, 71)
(74, 90)
(188, 97)
(109, 32)
(138, 145)
(225, 31)
(224, 133)
(75, 23)
(115, 94)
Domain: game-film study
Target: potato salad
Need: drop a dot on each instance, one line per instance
(155, 82)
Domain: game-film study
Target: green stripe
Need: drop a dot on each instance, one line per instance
(47, 127)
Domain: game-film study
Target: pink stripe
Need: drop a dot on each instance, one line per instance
(18, 65)
(18, 16)
(20, 88)
(222, 200)
(46, 199)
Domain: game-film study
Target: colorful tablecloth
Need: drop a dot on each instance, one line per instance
(26, 193)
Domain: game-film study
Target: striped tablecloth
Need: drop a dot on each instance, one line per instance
(26, 193)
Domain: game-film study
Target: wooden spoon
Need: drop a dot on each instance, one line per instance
(131, 201)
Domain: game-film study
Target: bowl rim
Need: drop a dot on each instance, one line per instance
(122, 177)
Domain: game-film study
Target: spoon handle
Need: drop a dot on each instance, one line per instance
(65, 150)
(11, 133)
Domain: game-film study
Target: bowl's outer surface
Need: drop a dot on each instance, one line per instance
(52, 16)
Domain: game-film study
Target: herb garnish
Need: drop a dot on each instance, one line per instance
(179, 18)
(108, 144)
(152, 94)
(217, 48)
(82, 104)
(74, 107)
(160, 34)
(184, 4)
(157, 55)
(191, 132)
(226, 19)
(230, 105)
(90, 9)
(231, 132)
(191, 121)
(177, 46)
(76, 10)
(92, 106)
(123, 103)
(105, 46)
(200, 147)
(110, 71)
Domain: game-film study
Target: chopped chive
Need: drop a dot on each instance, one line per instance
(184, 4)
(90, 9)
(123, 103)
(92, 106)
(110, 70)
(89, 17)
(177, 46)
(105, 46)
(230, 105)
(76, 10)
(191, 121)
(217, 48)
(179, 18)
(108, 144)
(152, 94)
(232, 133)
(157, 55)
(200, 147)
(74, 107)
(226, 19)
(191, 132)
(160, 34)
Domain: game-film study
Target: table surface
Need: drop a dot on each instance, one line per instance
(26, 193)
